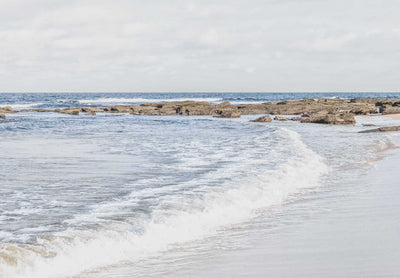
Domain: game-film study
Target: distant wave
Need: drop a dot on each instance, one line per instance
(22, 106)
(143, 100)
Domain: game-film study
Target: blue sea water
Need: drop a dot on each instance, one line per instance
(65, 100)
(118, 195)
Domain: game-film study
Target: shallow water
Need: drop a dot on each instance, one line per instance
(353, 232)
(145, 196)
(65, 100)
(346, 227)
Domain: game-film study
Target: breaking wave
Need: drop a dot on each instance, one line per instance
(175, 218)
(18, 106)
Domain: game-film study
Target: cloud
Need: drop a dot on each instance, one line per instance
(180, 45)
(209, 10)
(327, 44)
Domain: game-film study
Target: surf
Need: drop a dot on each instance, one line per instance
(262, 177)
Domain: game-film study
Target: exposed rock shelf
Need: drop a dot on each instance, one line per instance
(382, 129)
(324, 111)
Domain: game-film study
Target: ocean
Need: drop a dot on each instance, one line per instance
(120, 195)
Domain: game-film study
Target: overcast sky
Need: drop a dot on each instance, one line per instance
(199, 46)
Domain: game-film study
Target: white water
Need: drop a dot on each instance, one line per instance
(177, 220)
(22, 105)
(81, 201)
(345, 229)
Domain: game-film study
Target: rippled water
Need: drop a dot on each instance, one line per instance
(65, 100)
(145, 196)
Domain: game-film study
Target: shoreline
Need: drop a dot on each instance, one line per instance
(301, 243)
(295, 251)
(226, 151)
(392, 116)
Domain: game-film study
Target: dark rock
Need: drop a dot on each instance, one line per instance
(391, 110)
(188, 108)
(363, 109)
(2, 116)
(279, 118)
(325, 117)
(229, 114)
(92, 109)
(249, 109)
(120, 109)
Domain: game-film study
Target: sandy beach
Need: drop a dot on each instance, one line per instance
(393, 116)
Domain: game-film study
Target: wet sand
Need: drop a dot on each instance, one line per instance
(393, 116)
(358, 238)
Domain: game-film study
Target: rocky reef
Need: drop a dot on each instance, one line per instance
(6, 109)
(382, 129)
(323, 111)
(263, 119)
(325, 117)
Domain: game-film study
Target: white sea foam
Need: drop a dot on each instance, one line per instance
(174, 221)
(5, 235)
(18, 106)
(143, 100)
(384, 144)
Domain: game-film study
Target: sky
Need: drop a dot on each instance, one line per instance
(199, 46)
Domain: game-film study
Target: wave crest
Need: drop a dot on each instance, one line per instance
(176, 220)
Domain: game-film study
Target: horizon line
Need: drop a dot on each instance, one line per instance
(200, 92)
